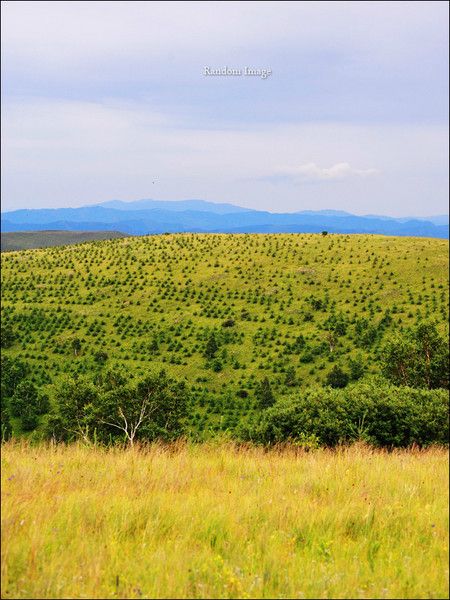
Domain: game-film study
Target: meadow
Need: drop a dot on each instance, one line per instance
(223, 521)
(220, 312)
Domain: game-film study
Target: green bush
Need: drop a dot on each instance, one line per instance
(372, 410)
(114, 408)
(417, 357)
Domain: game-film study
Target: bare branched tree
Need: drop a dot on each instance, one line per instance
(81, 431)
(131, 424)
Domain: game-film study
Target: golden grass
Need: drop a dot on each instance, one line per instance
(216, 521)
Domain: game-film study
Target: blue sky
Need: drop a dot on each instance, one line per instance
(106, 100)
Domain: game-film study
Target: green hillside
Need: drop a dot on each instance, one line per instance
(27, 240)
(220, 311)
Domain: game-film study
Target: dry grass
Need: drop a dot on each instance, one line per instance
(216, 521)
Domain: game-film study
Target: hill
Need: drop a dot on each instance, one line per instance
(27, 240)
(152, 217)
(221, 312)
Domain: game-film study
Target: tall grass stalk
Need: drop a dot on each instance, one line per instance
(222, 521)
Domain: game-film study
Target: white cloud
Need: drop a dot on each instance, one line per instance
(312, 172)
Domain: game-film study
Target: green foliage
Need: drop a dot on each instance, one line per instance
(228, 323)
(374, 411)
(6, 428)
(7, 336)
(211, 347)
(27, 402)
(76, 346)
(217, 365)
(290, 378)
(115, 408)
(417, 357)
(357, 367)
(264, 394)
(158, 401)
(75, 403)
(12, 372)
(336, 323)
(337, 378)
(100, 357)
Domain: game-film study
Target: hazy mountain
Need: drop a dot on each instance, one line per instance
(436, 219)
(325, 213)
(175, 205)
(151, 217)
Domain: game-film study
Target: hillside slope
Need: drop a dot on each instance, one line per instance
(288, 307)
(27, 240)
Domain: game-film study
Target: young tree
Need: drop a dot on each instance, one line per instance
(331, 338)
(357, 367)
(432, 353)
(25, 393)
(100, 357)
(337, 378)
(290, 379)
(211, 347)
(264, 394)
(217, 365)
(5, 420)
(76, 400)
(76, 346)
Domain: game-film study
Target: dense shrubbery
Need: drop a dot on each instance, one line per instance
(115, 408)
(373, 411)
(417, 357)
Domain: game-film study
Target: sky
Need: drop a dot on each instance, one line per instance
(117, 100)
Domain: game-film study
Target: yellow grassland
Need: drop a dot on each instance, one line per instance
(221, 521)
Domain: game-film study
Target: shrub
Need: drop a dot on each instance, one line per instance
(337, 378)
(28, 403)
(228, 323)
(264, 395)
(7, 336)
(374, 411)
(418, 357)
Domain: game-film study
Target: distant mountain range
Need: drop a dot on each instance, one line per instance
(153, 216)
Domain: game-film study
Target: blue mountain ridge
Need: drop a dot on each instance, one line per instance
(152, 217)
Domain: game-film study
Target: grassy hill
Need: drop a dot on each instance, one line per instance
(26, 240)
(288, 307)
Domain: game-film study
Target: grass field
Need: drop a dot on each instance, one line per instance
(216, 521)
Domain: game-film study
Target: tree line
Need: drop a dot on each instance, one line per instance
(407, 405)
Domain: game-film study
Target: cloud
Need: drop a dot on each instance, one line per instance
(68, 153)
(312, 172)
(332, 61)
